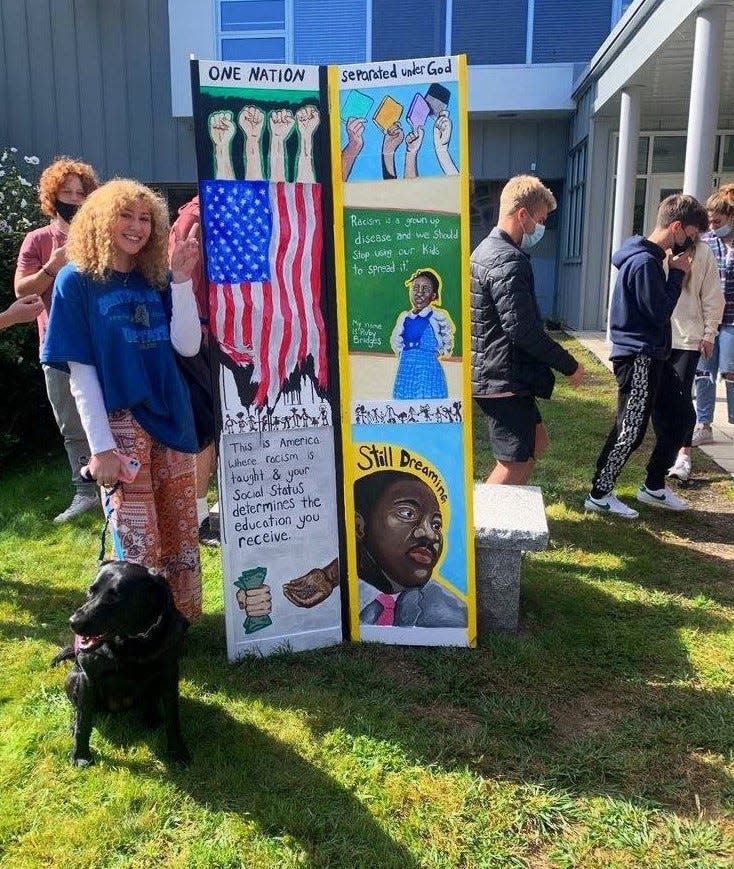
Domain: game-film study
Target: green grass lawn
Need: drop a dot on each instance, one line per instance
(601, 736)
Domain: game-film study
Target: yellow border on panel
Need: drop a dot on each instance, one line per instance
(342, 326)
(345, 382)
(466, 352)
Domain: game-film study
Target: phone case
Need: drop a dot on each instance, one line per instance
(418, 112)
(388, 113)
(129, 468)
(437, 97)
(356, 105)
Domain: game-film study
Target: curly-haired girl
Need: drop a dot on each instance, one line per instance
(116, 322)
(64, 185)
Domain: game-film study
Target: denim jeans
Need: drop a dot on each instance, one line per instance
(721, 361)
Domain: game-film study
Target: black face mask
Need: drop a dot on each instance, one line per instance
(682, 248)
(66, 211)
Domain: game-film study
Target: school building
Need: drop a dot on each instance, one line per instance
(613, 104)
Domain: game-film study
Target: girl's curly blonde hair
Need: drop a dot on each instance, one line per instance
(53, 177)
(91, 246)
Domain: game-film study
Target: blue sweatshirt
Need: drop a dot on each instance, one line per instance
(642, 301)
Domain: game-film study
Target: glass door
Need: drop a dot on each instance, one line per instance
(660, 187)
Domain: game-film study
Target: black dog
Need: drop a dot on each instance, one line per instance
(129, 637)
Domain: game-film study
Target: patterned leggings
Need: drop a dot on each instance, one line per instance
(646, 387)
(153, 519)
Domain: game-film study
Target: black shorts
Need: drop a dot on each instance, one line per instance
(511, 422)
(197, 373)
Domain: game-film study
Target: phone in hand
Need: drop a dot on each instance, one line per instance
(129, 468)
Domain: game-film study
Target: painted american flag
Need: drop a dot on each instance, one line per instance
(263, 243)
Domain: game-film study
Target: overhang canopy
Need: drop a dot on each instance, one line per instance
(652, 47)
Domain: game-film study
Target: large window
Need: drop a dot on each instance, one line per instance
(576, 191)
(527, 31)
(664, 154)
(255, 30)
(725, 154)
(490, 31)
(331, 31)
(619, 7)
(410, 28)
(668, 154)
(293, 31)
(568, 31)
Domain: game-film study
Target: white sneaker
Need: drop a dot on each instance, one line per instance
(79, 504)
(610, 504)
(701, 436)
(661, 498)
(681, 470)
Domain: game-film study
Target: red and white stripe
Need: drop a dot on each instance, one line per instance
(275, 325)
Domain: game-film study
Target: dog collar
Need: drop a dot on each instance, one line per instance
(144, 635)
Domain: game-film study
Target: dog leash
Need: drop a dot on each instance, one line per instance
(108, 510)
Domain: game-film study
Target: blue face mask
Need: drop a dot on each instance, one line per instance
(531, 239)
(722, 231)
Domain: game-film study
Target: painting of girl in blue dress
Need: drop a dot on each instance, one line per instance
(421, 336)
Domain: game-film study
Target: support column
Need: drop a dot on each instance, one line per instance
(703, 113)
(629, 138)
(624, 194)
(594, 280)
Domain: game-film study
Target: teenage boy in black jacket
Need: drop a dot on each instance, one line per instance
(512, 354)
(639, 324)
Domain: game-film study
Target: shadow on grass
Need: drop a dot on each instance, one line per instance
(641, 557)
(589, 698)
(236, 767)
(257, 775)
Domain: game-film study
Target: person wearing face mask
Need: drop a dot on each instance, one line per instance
(643, 301)
(513, 357)
(422, 335)
(63, 186)
(720, 208)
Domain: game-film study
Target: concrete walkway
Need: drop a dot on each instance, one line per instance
(722, 449)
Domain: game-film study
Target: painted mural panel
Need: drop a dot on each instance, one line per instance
(262, 151)
(402, 223)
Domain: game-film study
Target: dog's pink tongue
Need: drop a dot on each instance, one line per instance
(82, 643)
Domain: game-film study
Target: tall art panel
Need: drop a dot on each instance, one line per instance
(262, 149)
(401, 214)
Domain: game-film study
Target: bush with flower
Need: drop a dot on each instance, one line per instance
(19, 210)
(25, 417)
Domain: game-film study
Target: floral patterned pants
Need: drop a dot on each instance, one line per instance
(153, 519)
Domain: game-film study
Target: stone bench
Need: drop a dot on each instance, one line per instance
(508, 520)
